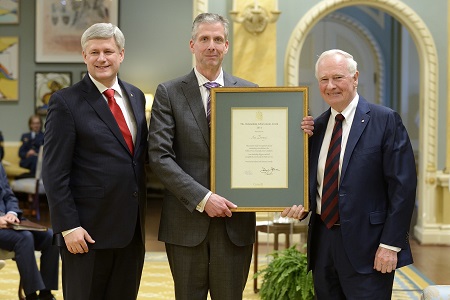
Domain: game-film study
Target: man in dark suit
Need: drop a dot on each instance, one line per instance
(209, 248)
(24, 243)
(94, 174)
(31, 143)
(355, 254)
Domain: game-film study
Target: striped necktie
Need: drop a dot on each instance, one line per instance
(330, 206)
(208, 86)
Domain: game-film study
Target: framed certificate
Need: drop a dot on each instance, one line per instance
(258, 150)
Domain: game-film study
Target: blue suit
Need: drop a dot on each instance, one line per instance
(377, 187)
(24, 243)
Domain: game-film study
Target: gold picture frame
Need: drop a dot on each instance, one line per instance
(258, 150)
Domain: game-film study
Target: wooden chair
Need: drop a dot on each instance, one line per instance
(4, 255)
(33, 187)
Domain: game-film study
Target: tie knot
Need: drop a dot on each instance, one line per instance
(109, 93)
(211, 84)
(339, 118)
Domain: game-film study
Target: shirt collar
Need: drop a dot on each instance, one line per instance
(349, 111)
(102, 88)
(202, 79)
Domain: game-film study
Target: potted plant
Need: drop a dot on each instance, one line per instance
(286, 277)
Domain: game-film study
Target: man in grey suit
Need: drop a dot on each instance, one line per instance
(209, 248)
(94, 155)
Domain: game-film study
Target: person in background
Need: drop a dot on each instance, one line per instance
(359, 230)
(94, 174)
(31, 142)
(209, 248)
(24, 243)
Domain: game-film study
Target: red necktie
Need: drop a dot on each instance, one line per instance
(209, 85)
(330, 207)
(118, 115)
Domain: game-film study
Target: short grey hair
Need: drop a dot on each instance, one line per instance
(209, 18)
(352, 65)
(103, 31)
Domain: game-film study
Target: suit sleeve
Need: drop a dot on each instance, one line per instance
(162, 154)
(59, 146)
(401, 179)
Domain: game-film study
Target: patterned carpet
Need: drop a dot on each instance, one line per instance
(157, 281)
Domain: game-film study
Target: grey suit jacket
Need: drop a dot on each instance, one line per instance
(91, 178)
(179, 152)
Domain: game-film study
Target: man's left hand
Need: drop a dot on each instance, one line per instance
(385, 260)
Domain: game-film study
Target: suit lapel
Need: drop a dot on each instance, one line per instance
(229, 80)
(360, 121)
(98, 103)
(193, 97)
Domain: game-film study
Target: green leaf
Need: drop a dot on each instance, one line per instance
(286, 277)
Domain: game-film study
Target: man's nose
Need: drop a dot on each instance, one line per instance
(101, 56)
(211, 45)
(330, 83)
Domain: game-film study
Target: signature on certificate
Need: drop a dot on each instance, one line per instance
(258, 137)
(268, 171)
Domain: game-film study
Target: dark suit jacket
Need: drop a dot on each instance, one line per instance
(377, 185)
(179, 151)
(90, 176)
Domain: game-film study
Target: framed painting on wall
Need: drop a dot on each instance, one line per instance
(9, 12)
(60, 24)
(9, 68)
(46, 84)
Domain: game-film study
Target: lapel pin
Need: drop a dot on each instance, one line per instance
(362, 121)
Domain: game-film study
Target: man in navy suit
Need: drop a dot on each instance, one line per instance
(356, 257)
(31, 143)
(94, 174)
(24, 243)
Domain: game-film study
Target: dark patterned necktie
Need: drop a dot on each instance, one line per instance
(120, 119)
(208, 86)
(330, 207)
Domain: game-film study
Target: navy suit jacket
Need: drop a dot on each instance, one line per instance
(28, 143)
(377, 185)
(91, 178)
(179, 152)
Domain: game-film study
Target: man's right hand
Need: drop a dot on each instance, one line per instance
(296, 212)
(76, 241)
(218, 206)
